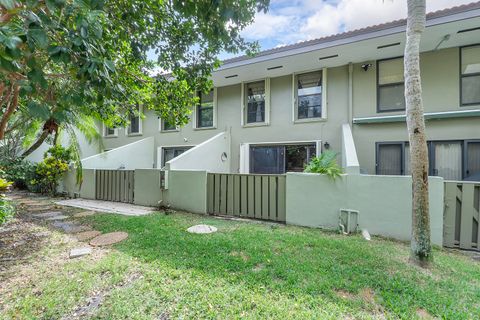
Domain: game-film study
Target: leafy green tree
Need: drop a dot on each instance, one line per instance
(60, 58)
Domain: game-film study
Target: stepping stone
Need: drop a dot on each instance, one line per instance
(202, 229)
(87, 235)
(84, 214)
(39, 209)
(79, 252)
(58, 217)
(109, 238)
(69, 227)
(46, 215)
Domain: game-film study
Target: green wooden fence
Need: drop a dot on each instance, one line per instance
(115, 185)
(461, 219)
(247, 195)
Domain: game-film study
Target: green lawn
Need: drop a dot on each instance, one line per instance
(248, 270)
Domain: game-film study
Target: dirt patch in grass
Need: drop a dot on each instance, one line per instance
(423, 314)
(345, 294)
(95, 300)
(240, 254)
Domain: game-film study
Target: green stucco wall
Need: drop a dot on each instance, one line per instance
(384, 203)
(147, 187)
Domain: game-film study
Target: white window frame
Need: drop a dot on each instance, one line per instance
(324, 97)
(194, 118)
(105, 133)
(245, 151)
(140, 125)
(244, 106)
(160, 127)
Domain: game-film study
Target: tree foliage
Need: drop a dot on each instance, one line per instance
(326, 164)
(66, 59)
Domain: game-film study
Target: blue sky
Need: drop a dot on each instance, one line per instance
(291, 21)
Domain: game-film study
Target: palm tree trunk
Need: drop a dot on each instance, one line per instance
(37, 144)
(421, 251)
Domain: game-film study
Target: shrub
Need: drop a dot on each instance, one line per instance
(19, 171)
(51, 169)
(6, 208)
(325, 164)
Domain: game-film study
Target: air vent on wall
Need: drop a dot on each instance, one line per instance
(273, 68)
(388, 45)
(232, 76)
(468, 30)
(328, 57)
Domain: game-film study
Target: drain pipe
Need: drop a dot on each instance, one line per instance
(350, 94)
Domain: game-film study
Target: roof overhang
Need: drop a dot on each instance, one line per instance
(359, 47)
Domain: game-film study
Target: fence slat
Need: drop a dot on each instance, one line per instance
(258, 197)
(450, 214)
(265, 198)
(237, 195)
(243, 196)
(223, 194)
(251, 197)
(467, 216)
(230, 194)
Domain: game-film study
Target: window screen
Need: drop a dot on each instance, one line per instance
(134, 118)
(447, 162)
(205, 110)
(255, 101)
(168, 126)
(309, 95)
(173, 152)
(391, 88)
(267, 160)
(472, 171)
(470, 75)
(389, 159)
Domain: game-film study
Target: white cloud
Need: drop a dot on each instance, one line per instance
(324, 22)
(289, 21)
(266, 25)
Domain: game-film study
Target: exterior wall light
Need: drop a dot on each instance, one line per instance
(326, 145)
(224, 157)
(365, 66)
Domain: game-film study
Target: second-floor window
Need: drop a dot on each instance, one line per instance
(109, 132)
(470, 75)
(390, 85)
(168, 126)
(309, 95)
(255, 102)
(135, 126)
(205, 110)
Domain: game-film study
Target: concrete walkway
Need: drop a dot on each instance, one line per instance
(108, 206)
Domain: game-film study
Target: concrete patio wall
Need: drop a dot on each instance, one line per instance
(136, 155)
(147, 187)
(87, 188)
(205, 156)
(384, 203)
(187, 190)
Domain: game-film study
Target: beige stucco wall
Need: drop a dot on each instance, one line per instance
(440, 79)
(315, 201)
(281, 127)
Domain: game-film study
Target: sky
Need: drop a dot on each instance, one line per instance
(291, 21)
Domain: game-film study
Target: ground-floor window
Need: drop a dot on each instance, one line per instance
(452, 160)
(172, 152)
(278, 159)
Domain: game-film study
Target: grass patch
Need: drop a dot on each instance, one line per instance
(251, 270)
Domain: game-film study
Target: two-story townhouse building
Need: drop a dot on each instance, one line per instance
(287, 104)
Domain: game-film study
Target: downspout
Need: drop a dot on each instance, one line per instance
(350, 94)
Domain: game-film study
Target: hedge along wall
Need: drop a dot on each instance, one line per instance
(384, 203)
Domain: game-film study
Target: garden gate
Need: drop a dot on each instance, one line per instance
(115, 185)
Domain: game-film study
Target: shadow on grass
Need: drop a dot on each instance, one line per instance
(296, 262)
